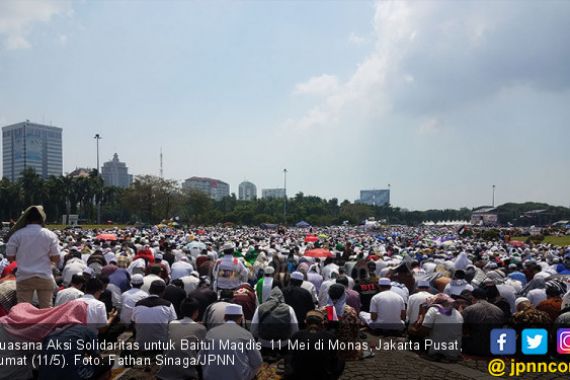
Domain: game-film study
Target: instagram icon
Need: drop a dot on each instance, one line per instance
(563, 341)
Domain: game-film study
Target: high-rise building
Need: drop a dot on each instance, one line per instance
(116, 173)
(215, 188)
(30, 145)
(272, 193)
(247, 191)
(375, 197)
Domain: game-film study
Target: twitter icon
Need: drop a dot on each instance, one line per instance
(534, 342)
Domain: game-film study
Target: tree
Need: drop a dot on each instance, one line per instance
(31, 185)
(150, 198)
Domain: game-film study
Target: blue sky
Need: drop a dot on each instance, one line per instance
(439, 99)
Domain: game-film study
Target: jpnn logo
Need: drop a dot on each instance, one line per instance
(534, 342)
(563, 341)
(503, 342)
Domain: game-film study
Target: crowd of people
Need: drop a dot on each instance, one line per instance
(270, 292)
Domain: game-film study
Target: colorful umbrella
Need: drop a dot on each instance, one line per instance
(311, 239)
(318, 252)
(111, 237)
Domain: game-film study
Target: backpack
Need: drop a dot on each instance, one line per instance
(275, 323)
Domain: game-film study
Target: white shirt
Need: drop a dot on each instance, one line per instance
(73, 266)
(311, 288)
(151, 316)
(455, 287)
(148, 280)
(66, 295)
(128, 301)
(324, 292)
(402, 292)
(247, 362)
(32, 246)
(388, 307)
(328, 269)
(96, 312)
(444, 329)
(190, 283)
(180, 269)
(536, 296)
(229, 273)
(414, 303)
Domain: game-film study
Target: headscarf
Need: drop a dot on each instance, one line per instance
(337, 299)
(442, 302)
(22, 220)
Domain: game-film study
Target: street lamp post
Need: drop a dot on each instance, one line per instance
(493, 196)
(285, 199)
(98, 137)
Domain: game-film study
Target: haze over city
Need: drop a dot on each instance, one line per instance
(439, 99)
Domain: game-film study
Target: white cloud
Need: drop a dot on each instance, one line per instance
(62, 39)
(17, 19)
(431, 126)
(355, 39)
(432, 58)
(393, 24)
(322, 85)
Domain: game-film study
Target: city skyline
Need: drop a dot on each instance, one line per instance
(441, 100)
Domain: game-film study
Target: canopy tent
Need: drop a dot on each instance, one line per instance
(302, 224)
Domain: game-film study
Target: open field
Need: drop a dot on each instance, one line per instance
(556, 240)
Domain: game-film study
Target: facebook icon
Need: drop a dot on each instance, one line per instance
(503, 342)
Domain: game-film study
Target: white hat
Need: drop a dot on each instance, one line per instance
(297, 276)
(268, 270)
(158, 256)
(384, 281)
(227, 246)
(137, 279)
(423, 284)
(233, 309)
(519, 300)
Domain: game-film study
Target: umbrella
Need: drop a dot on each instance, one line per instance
(200, 232)
(311, 239)
(517, 243)
(111, 237)
(318, 252)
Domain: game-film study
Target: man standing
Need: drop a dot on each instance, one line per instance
(36, 249)
(247, 362)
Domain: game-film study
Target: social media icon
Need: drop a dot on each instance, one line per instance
(503, 342)
(563, 341)
(534, 342)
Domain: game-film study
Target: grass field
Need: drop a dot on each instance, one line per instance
(562, 241)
